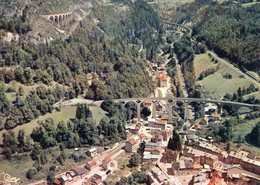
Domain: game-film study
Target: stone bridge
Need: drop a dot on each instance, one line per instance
(169, 100)
(62, 20)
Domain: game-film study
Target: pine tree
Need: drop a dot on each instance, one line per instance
(254, 136)
(135, 159)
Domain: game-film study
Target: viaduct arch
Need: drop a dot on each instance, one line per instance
(170, 101)
(62, 20)
(174, 26)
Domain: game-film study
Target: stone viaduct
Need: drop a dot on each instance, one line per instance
(62, 20)
(169, 100)
(174, 26)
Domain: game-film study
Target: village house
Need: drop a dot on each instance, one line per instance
(142, 137)
(149, 157)
(161, 79)
(242, 158)
(92, 152)
(94, 181)
(101, 175)
(156, 176)
(65, 179)
(57, 181)
(157, 123)
(200, 179)
(131, 145)
(201, 157)
(210, 148)
(80, 172)
(185, 164)
(166, 135)
(133, 128)
(90, 164)
(157, 139)
(109, 164)
(214, 117)
(169, 156)
(72, 177)
(151, 145)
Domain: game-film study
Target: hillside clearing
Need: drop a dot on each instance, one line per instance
(64, 114)
(215, 84)
(202, 62)
(242, 130)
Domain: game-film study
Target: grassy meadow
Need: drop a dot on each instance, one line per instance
(215, 85)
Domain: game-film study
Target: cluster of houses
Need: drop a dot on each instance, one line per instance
(72, 177)
(202, 161)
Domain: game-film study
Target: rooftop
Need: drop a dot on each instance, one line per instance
(108, 159)
(132, 141)
(243, 155)
(161, 122)
(162, 75)
(92, 163)
(92, 150)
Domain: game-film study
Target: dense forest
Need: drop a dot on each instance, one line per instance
(229, 29)
(108, 52)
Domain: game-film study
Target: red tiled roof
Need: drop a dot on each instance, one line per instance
(56, 181)
(152, 149)
(161, 122)
(97, 181)
(132, 141)
(158, 137)
(166, 134)
(215, 181)
(162, 75)
(142, 135)
(108, 159)
(92, 163)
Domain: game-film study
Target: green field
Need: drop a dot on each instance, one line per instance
(201, 63)
(242, 130)
(64, 114)
(215, 85)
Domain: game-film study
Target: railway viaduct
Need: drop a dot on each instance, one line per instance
(169, 100)
(174, 26)
(62, 20)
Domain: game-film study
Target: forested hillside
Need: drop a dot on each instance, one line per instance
(231, 30)
(98, 62)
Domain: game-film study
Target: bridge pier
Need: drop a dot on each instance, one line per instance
(202, 109)
(219, 108)
(186, 110)
(154, 109)
(169, 110)
(138, 111)
(61, 20)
